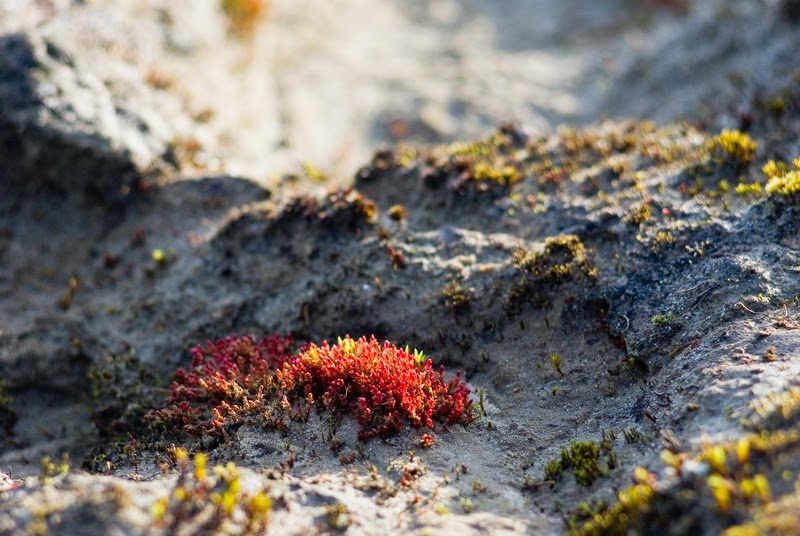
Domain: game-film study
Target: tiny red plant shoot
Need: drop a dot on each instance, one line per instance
(383, 386)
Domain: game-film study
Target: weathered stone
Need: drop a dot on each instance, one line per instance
(65, 127)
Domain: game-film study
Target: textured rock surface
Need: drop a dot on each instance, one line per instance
(621, 246)
(70, 128)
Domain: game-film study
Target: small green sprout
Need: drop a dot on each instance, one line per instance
(698, 249)
(555, 361)
(662, 320)
(163, 258)
(480, 406)
(65, 302)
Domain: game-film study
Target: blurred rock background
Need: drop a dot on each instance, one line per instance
(259, 87)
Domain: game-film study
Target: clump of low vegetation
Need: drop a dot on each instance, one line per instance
(738, 487)
(502, 174)
(383, 385)
(481, 166)
(662, 320)
(239, 379)
(116, 389)
(456, 297)
(782, 180)
(639, 214)
(662, 239)
(513, 158)
(614, 520)
(338, 516)
(564, 258)
(340, 211)
(735, 146)
(584, 458)
(51, 469)
(397, 212)
(749, 189)
(204, 501)
(228, 380)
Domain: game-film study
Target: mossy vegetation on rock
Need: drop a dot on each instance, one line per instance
(241, 380)
(587, 461)
(567, 268)
(624, 276)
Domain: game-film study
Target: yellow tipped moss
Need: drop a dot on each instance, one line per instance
(503, 174)
(782, 180)
(745, 189)
(616, 519)
(715, 456)
(737, 145)
(200, 461)
(211, 502)
(721, 489)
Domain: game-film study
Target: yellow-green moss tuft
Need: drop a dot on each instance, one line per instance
(781, 179)
(736, 145)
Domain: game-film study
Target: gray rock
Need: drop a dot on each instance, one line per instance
(66, 127)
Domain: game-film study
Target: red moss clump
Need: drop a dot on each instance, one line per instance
(384, 386)
(228, 381)
(239, 379)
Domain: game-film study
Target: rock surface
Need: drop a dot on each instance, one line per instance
(621, 246)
